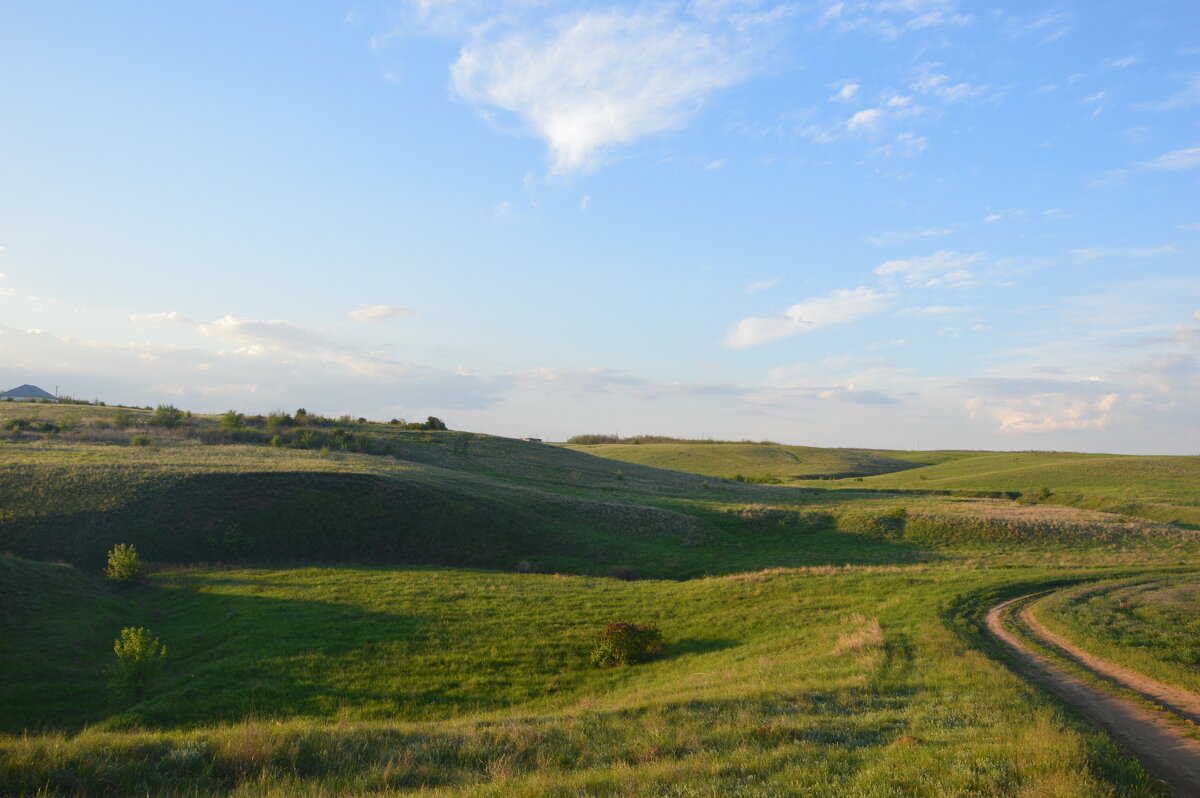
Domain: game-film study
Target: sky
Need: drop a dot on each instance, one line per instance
(888, 223)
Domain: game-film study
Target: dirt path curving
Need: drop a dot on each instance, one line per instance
(1183, 703)
(1165, 751)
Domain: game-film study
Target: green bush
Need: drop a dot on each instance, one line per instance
(140, 656)
(124, 564)
(232, 420)
(167, 416)
(122, 419)
(623, 643)
(140, 440)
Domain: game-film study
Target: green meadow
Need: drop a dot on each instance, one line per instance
(397, 611)
(1148, 624)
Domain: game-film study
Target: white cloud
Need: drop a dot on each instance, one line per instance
(1184, 98)
(845, 93)
(890, 19)
(1053, 412)
(1176, 160)
(992, 217)
(584, 202)
(1095, 253)
(940, 267)
(763, 285)
(900, 236)
(503, 208)
(838, 307)
(942, 310)
(588, 81)
(714, 165)
(927, 80)
(905, 145)
(1122, 63)
(866, 120)
(378, 313)
(258, 336)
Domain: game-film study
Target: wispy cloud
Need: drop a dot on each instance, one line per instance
(585, 82)
(891, 19)
(1176, 160)
(846, 91)
(838, 307)
(900, 236)
(943, 267)
(927, 79)
(370, 313)
(1137, 253)
(763, 285)
(1186, 97)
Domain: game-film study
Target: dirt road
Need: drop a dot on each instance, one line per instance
(1166, 753)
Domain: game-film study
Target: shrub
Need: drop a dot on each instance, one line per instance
(167, 416)
(122, 419)
(623, 643)
(140, 656)
(140, 440)
(124, 564)
(232, 420)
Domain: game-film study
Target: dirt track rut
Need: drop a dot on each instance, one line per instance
(1165, 751)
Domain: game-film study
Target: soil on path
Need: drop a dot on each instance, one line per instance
(1162, 748)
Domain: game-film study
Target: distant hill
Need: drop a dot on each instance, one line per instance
(755, 462)
(1159, 487)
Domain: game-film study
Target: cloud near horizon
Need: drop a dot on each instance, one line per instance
(372, 313)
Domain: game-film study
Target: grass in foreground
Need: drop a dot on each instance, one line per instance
(841, 682)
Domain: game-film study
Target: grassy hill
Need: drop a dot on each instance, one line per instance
(1158, 487)
(754, 462)
(820, 638)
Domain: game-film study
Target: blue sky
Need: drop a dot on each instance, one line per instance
(887, 224)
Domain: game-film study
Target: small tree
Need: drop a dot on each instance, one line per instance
(122, 419)
(232, 420)
(124, 564)
(167, 416)
(623, 643)
(140, 656)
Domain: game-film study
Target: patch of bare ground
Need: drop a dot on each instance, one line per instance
(1166, 752)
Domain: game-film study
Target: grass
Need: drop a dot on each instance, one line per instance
(1156, 487)
(1149, 624)
(326, 681)
(368, 634)
(770, 463)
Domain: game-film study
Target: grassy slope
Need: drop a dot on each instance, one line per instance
(1151, 625)
(1156, 487)
(855, 682)
(752, 460)
(825, 681)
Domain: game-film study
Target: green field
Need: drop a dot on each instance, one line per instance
(755, 462)
(1149, 624)
(412, 614)
(1156, 487)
